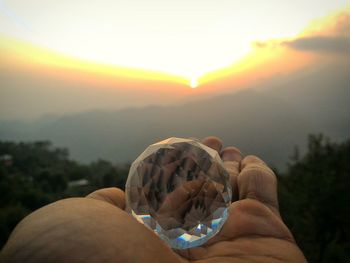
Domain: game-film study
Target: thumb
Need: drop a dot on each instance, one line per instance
(112, 195)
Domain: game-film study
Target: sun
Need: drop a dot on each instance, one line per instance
(194, 83)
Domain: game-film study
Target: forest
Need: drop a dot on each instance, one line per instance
(314, 191)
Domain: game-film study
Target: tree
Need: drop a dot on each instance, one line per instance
(39, 174)
(314, 200)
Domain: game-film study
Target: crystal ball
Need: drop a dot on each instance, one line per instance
(180, 189)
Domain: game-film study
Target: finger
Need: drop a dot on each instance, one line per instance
(252, 159)
(231, 156)
(112, 195)
(213, 142)
(257, 181)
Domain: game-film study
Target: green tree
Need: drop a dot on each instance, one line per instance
(40, 174)
(315, 200)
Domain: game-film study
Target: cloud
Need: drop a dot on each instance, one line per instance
(328, 44)
(331, 36)
(342, 24)
(334, 38)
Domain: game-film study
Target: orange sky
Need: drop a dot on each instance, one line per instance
(267, 59)
(23, 56)
(260, 63)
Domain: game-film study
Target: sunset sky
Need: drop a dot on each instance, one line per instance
(149, 45)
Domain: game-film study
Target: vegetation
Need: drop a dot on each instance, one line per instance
(315, 200)
(35, 174)
(314, 195)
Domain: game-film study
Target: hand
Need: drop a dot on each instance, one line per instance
(96, 229)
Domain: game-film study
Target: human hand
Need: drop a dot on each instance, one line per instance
(96, 229)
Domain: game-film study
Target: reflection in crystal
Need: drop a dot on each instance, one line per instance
(180, 189)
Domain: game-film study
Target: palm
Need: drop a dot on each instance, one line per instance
(252, 233)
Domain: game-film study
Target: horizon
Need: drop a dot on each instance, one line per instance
(38, 71)
(266, 102)
(178, 38)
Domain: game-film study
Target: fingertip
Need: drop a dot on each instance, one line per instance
(231, 154)
(213, 142)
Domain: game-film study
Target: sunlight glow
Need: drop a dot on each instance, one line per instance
(181, 38)
(191, 75)
(194, 83)
(35, 55)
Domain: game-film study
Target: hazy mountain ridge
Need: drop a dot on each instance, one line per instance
(265, 121)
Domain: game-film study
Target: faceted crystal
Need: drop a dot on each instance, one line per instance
(179, 189)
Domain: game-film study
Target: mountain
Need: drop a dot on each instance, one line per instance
(268, 120)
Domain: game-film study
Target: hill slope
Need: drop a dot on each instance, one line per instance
(268, 121)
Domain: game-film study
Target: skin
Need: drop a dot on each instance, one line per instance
(97, 229)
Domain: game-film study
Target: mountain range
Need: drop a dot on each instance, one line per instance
(268, 119)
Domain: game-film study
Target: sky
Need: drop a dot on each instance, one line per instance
(185, 38)
(63, 58)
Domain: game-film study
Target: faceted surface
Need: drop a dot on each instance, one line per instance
(180, 189)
